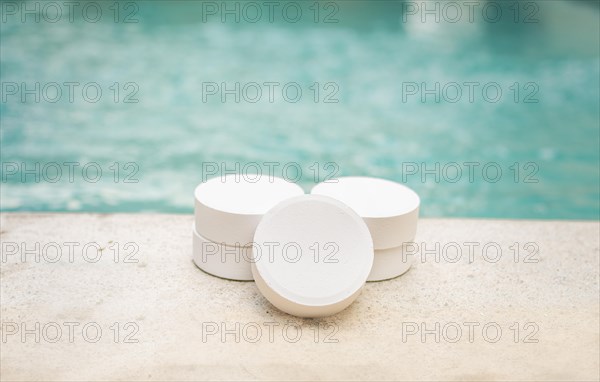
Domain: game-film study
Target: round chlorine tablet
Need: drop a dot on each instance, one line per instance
(313, 256)
(229, 208)
(391, 210)
(228, 262)
(389, 263)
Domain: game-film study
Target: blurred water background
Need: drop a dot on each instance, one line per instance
(164, 123)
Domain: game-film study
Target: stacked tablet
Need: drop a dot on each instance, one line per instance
(390, 210)
(310, 255)
(227, 211)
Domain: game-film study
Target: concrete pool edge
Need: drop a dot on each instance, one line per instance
(170, 300)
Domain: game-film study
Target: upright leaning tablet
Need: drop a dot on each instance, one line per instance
(312, 256)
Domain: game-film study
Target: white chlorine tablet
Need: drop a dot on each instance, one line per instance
(229, 262)
(229, 208)
(390, 209)
(312, 256)
(390, 263)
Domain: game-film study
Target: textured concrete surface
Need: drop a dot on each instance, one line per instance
(161, 318)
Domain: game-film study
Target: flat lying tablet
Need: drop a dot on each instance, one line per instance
(228, 262)
(229, 208)
(390, 263)
(315, 256)
(390, 209)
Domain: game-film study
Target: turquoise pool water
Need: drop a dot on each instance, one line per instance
(374, 61)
